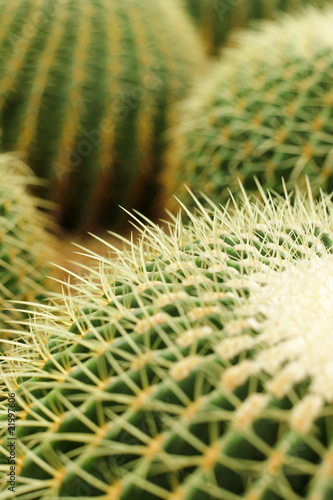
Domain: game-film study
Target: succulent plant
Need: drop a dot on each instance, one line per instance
(86, 90)
(25, 246)
(217, 18)
(196, 366)
(266, 111)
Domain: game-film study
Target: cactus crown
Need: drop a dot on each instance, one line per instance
(25, 246)
(192, 374)
(86, 89)
(266, 110)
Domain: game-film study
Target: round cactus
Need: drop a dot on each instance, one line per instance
(203, 371)
(25, 246)
(86, 89)
(217, 18)
(266, 111)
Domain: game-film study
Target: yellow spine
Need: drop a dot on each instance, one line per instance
(113, 89)
(29, 121)
(146, 110)
(15, 62)
(75, 105)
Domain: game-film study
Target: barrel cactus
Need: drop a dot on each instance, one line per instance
(197, 366)
(85, 92)
(217, 18)
(266, 111)
(25, 246)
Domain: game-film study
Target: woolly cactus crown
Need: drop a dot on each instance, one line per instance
(25, 246)
(267, 110)
(202, 371)
(85, 92)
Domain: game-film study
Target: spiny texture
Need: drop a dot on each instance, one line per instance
(217, 18)
(25, 247)
(86, 90)
(204, 371)
(267, 110)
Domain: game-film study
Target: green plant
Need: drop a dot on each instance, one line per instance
(265, 111)
(217, 18)
(197, 366)
(87, 88)
(25, 246)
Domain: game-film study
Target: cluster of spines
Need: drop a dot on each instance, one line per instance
(153, 391)
(86, 104)
(25, 246)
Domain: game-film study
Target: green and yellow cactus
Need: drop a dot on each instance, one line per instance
(86, 88)
(265, 111)
(25, 245)
(197, 366)
(217, 18)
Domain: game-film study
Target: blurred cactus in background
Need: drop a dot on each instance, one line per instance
(25, 246)
(217, 18)
(86, 88)
(266, 110)
(197, 366)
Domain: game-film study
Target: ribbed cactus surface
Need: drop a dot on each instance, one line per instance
(202, 371)
(217, 18)
(266, 110)
(85, 93)
(25, 247)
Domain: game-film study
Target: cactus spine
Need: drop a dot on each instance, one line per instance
(266, 111)
(86, 89)
(192, 374)
(25, 246)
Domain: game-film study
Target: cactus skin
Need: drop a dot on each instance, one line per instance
(179, 380)
(86, 90)
(25, 246)
(217, 18)
(266, 111)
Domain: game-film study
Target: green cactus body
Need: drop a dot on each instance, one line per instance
(266, 111)
(86, 90)
(203, 372)
(217, 18)
(25, 247)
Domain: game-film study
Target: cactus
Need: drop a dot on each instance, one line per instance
(87, 88)
(217, 18)
(197, 366)
(25, 246)
(266, 111)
